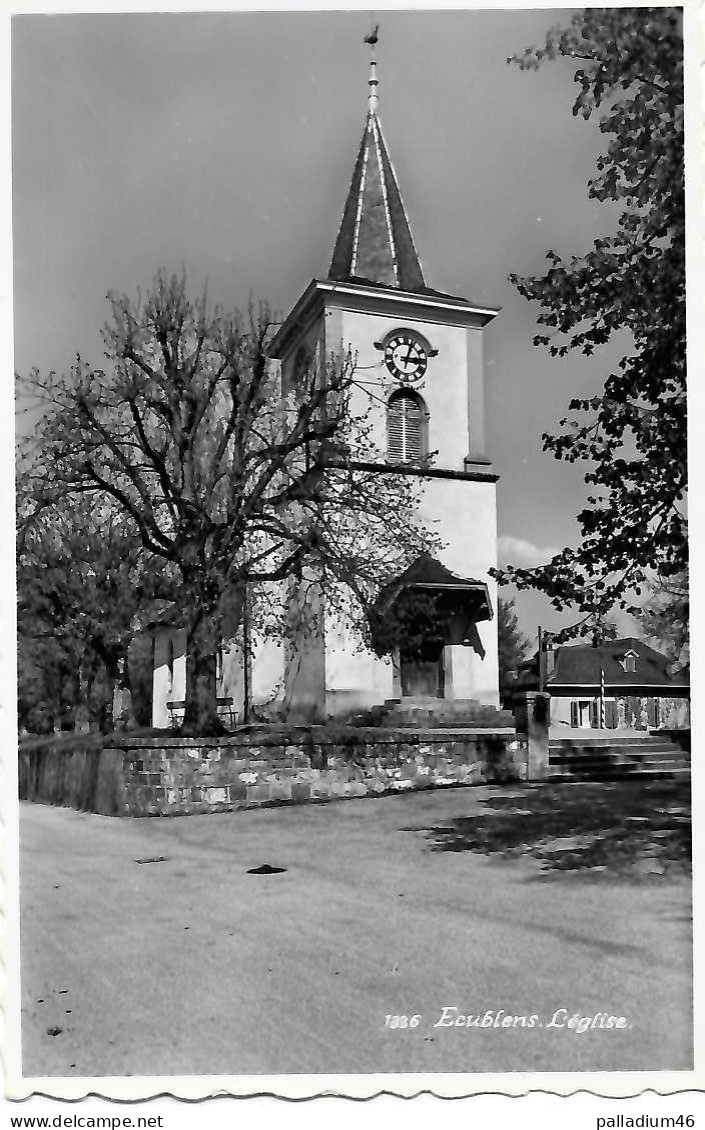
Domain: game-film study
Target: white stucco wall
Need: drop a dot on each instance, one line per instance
(267, 672)
(464, 515)
(560, 711)
(356, 678)
(445, 387)
(462, 512)
(168, 678)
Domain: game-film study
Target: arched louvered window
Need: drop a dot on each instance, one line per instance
(406, 427)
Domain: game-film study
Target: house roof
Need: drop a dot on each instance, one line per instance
(581, 665)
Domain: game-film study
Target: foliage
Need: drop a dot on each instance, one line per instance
(513, 644)
(629, 68)
(231, 483)
(415, 619)
(79, 580)
(665, 619)
(46, 690)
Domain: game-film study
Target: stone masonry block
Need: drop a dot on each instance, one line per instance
(258, 794)
(280, 790)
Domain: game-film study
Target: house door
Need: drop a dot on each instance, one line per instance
(422, 673)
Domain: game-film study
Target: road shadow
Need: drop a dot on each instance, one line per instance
(640, 827)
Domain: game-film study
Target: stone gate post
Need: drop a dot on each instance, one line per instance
(532, 713)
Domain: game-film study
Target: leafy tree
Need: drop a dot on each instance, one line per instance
(231, 482)
(629, 68)
(80, 584)
(665, 619)
(605, 630)
(513, 644)
(46, 688)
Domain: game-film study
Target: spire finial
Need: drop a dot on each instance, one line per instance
(372, 40)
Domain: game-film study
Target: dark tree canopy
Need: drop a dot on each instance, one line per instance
(629, 71)
(230, 482)
(513, 645)
(80, 582)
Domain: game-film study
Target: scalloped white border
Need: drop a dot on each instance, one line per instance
(352, 1086)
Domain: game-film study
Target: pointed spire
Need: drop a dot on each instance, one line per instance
(374, 241)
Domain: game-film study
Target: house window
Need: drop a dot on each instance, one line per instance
(406, 427)
(629, 662)
(584, 713)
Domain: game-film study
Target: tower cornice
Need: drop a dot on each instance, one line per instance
(361, 295)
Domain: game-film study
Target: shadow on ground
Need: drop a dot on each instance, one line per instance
(637, 827)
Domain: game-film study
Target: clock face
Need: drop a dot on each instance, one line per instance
(405, 356)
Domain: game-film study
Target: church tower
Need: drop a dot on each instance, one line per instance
(421, 351)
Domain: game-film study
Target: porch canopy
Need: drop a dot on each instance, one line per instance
(427, 603)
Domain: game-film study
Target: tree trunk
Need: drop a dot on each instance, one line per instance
(118, 706)
(82, 714)
(113, 661)
(201, 712)
(108, 720)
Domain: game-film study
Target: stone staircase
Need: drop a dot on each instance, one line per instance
(615, 756)
(437, 713)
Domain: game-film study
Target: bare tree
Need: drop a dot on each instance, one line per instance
(229, 482)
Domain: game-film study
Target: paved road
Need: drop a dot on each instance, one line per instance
(192, 965)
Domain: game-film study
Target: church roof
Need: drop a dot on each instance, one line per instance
(375, 243)
(427, 572)
(374, 258)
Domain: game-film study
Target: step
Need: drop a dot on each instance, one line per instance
(448, 714)
(612, 740)
(588, 764)
(606, 754)
(611, 750)
(619, 774)
(666, 756)
(611, 768)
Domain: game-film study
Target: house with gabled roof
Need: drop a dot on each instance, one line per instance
(618, 684)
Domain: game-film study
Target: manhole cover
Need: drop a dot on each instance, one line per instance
(265, 869)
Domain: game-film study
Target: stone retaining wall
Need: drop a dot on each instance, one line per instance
(168, 776)
(73, 771)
